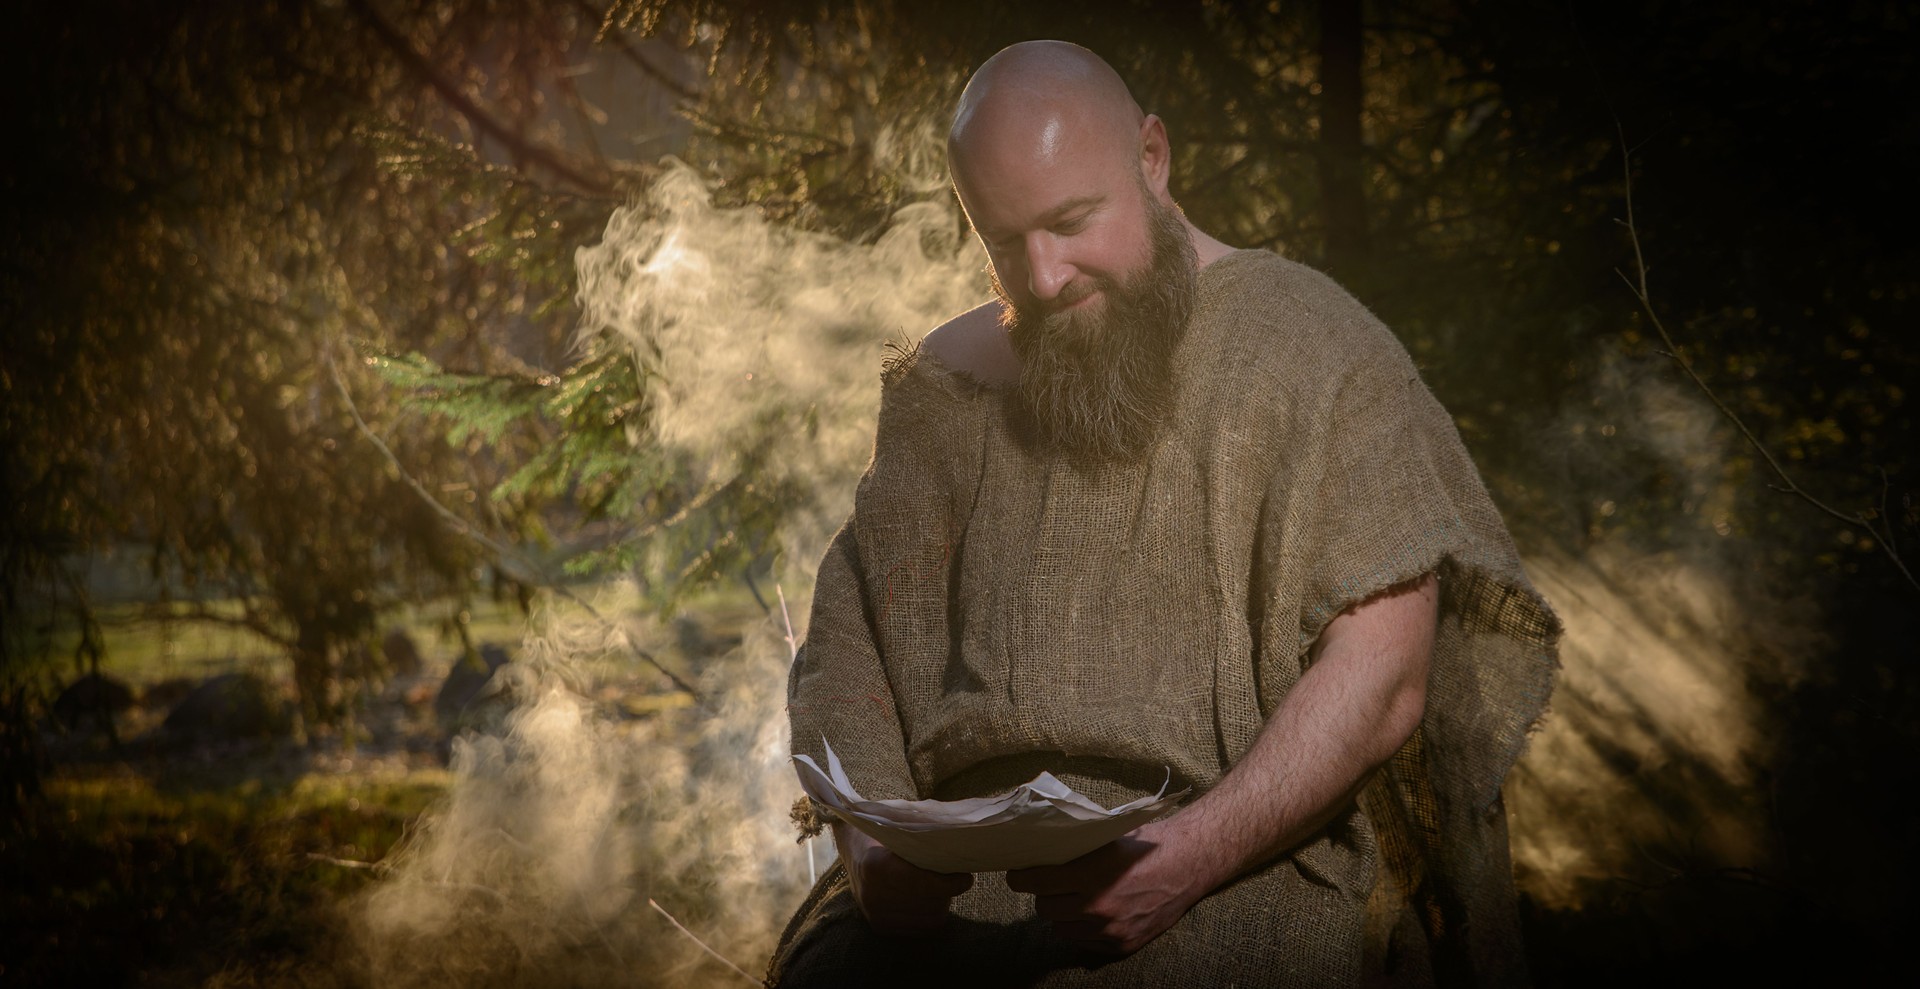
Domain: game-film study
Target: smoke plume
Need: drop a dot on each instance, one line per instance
(566, 820)
(1650, 765)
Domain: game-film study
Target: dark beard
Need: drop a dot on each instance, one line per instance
(1096, 387)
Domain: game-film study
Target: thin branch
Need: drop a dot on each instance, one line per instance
(746, 575)
(794, 141)
(474, 113)
(1197, 188)
(533, 573)
(703, 945)
(1885, 484)
(619, 40)
(198, 612)
(1638, 286)
(793, 646)
(1249, 140)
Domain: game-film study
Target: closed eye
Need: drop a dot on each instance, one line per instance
(1071, 226)
(1065, 227)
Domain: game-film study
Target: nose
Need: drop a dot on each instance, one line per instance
(1047, 269)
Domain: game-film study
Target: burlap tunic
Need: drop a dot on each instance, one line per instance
(988, 612)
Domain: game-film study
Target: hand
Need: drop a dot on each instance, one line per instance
(1119, 896)
(897, 897)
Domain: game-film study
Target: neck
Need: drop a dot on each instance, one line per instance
(1206, 248)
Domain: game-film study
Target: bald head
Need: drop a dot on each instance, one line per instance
(1045, 128)
(1061, 175)
(1037, 95)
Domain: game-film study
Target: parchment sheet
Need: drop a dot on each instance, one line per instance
(1042, 822)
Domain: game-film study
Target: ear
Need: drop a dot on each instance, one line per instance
(1156, 157)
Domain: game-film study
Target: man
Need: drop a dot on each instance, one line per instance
(1164, 506)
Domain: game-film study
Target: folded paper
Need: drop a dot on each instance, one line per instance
(1042, 822)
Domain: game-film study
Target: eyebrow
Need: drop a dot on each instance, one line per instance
(1055, 214)
(1072, 205)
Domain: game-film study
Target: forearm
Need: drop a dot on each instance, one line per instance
(1358, 701)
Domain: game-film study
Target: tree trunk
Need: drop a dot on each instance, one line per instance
(313, 673)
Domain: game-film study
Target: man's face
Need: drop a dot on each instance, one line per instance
(1061, 217)
(1096, 273)
(1097, 374)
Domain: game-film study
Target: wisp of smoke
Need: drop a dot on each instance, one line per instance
(748, 323)
(1646, 767)
(566, 819)
(563, 822)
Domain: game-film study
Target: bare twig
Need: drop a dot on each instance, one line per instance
(195, 611)
(793, 648)
(793, 656)
(609, 33)
(1637, 284)
(703, 945)
(480, 118)
(527, 569)
(1886, 519)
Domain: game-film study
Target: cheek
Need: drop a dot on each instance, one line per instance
(1121, 252)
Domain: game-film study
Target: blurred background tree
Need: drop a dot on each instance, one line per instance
(214, 199)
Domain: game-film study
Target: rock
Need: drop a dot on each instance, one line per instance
(465, 680)
(510, 686)
(166, 693)
(230, 707)
(94, 700)
(403, 657)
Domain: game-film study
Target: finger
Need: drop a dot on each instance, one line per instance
(1061, 907)
(1090, 934)
(952, 884)
(898, 873)
(1094, 870)
(906, 914)
(1044, 880)
(930, 885)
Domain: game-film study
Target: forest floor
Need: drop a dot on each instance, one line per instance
(152, 862)
(148, 860)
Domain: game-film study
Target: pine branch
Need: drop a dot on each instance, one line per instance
(527, 571)
(475, 114)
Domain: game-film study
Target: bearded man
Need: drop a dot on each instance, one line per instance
(1165, 507)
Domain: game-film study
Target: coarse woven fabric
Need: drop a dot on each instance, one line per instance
(988, 612)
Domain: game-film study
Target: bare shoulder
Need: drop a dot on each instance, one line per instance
(975, 343)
